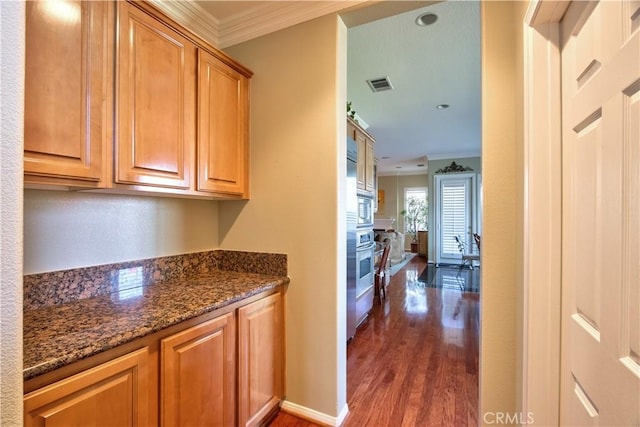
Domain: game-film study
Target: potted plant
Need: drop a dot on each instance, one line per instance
(351, 112)
(414, 216)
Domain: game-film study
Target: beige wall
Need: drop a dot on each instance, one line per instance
(394, 187)
(298, 156)
(11, 120)
(65, 230)
(502, 166)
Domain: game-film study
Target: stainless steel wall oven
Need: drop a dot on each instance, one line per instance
(365, 249)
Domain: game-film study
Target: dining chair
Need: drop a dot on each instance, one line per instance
(380, 275)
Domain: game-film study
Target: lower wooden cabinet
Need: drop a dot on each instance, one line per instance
(224, 371)
(197, 377)
(260, 355)
(112, 394)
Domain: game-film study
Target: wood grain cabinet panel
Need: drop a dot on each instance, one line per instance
(351, 130)
(115, 393)
(369, 175)
(198, 372)
(365, 162)
(155, 99)
(260, 356)
(223, 125)
(361, 144)
(66, 77)
(120, 97)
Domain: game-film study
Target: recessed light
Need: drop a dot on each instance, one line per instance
(426, 19)
(442, 106)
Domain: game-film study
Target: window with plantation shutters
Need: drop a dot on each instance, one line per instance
(457, 214)
(455, 218)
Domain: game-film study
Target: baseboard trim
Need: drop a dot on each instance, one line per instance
(313, 415)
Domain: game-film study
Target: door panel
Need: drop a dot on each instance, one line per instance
(455, 206)
(223, 96)
(361, 172)
(631, 248)
(198, 375)
(112, 394)
(155, 100)
(600, 371)
(65, 88)
(260, 356)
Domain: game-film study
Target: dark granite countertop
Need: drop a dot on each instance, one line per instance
(55, 336)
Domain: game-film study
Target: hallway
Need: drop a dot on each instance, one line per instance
(414, 361)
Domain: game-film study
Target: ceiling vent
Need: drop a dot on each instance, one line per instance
(378, 85)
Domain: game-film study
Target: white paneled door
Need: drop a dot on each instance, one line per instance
(456, 215)
(600, 344)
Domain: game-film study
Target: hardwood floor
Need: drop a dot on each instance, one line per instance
(414, 361)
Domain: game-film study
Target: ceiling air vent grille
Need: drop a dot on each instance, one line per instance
(378, 85)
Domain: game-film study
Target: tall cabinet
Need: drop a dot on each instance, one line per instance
(365, 167)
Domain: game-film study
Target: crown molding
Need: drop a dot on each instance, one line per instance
(272, 17)
(192, 16)
(460, 155)
(250, 23)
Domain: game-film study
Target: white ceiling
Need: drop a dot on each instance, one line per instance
(436, 64)
(427, 66)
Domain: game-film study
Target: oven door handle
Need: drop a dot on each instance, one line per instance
(366, 248)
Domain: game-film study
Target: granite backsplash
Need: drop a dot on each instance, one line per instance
(65, 286)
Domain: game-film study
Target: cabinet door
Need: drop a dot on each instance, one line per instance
(66, 80)
(351, 130)
(369, 183)
(361, 169)
(112, 394)
(156, 104)
(223, 124)
(198, 375)
(260, 359)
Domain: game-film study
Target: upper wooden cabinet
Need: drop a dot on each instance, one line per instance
(121, 97)
(223, 131)
(155, 102)
(66, 79)
(369, 175)
(365, 173)
(115, 393)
